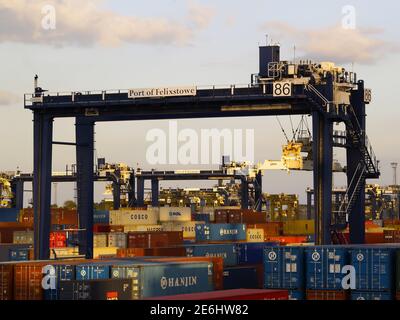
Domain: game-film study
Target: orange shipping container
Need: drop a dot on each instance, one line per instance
(287, 240)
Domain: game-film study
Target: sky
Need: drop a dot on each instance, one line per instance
(121, 44)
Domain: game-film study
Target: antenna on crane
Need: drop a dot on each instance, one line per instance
(394, 166)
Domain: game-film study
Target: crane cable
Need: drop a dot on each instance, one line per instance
(283, 130)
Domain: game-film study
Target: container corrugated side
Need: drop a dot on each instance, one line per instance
(220, 232)
(133, 217)
(228, 252)
(92, 271)
(284, 267)
(101, 217)
(374, 268)
(162, 279)
(242, 277)
(252, 253)
(182, 214)
(370, 295)
(105, 289)
(324, 265)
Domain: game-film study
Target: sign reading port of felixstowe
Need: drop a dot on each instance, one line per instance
(162, 92)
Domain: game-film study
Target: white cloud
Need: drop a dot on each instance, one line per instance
(8, 98)
(200, 15)
(334, 43)
(86, 23)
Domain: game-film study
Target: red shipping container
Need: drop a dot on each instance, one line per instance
(151, 252)
(101, 228)
(326, 295)
(6, 281)
(58, 239)
(236, 294)
(246, 216)
(221, 216)
(154, 239)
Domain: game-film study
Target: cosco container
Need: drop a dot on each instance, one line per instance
(284, 267)
(181, 214)
(220, 232)
(243, 277)
(101, 217)
(255, 235)
(133, 217)
(252, 253)
(109, 289)
(161, 279)
(227, 252)
(188, 228)
(324, 265)
(374, 268)
(370, 295)
(117, 239)
(92, 271)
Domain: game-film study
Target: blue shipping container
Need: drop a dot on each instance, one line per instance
(92, 271)
(9, 215)
(18, 254)
(284, 267)
(252, 252)
(101, 217)
(369, 295)
(220, 232)
(324, 266)
(227, 251)
(374, 268)
(202, 217)
(161, 279)
(242, 277)
(296, 295)
(63, 272)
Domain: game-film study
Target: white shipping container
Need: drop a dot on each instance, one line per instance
(100, 240)
(188, 228)
(155, 227)
(104, 251)
(23, 237)
(255, 235)
(133, 217)
(117, 239)
(64, 252)
(181, 214)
